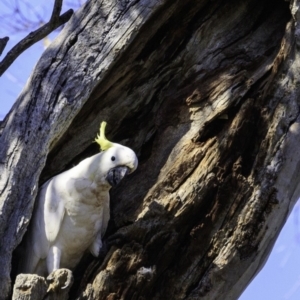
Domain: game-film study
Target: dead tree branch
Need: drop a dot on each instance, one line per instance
(55, 21)
(3, 43)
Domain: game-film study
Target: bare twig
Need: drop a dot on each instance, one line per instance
(56, 11)
(55, 21)
(3, 43)
(20, 16)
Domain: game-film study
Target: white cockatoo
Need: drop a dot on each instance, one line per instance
(72, 209)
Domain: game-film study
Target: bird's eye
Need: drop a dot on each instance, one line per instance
(113, 158)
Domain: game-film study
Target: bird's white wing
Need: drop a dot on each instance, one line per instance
(54, 209)
(44, 228)
(43, 225)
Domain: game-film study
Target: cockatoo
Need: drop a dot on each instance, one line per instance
(72, 209)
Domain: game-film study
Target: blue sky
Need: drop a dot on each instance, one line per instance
(279, 279)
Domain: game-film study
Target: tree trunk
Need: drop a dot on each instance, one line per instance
(207, 94)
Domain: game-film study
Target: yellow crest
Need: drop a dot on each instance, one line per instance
(101, 140)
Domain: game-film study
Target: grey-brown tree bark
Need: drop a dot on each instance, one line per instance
(207, 94)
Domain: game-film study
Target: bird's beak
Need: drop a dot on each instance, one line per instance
(116, 174)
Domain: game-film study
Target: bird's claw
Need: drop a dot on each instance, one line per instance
(69, 281)
(60, 279)
(50, 277)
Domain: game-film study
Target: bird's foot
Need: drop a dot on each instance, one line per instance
(61, 279)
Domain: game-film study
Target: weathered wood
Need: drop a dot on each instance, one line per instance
(31, 286)
(207, 94)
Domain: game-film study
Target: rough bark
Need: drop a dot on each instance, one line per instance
(34, 287)
(207, 94)
(29, 287)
